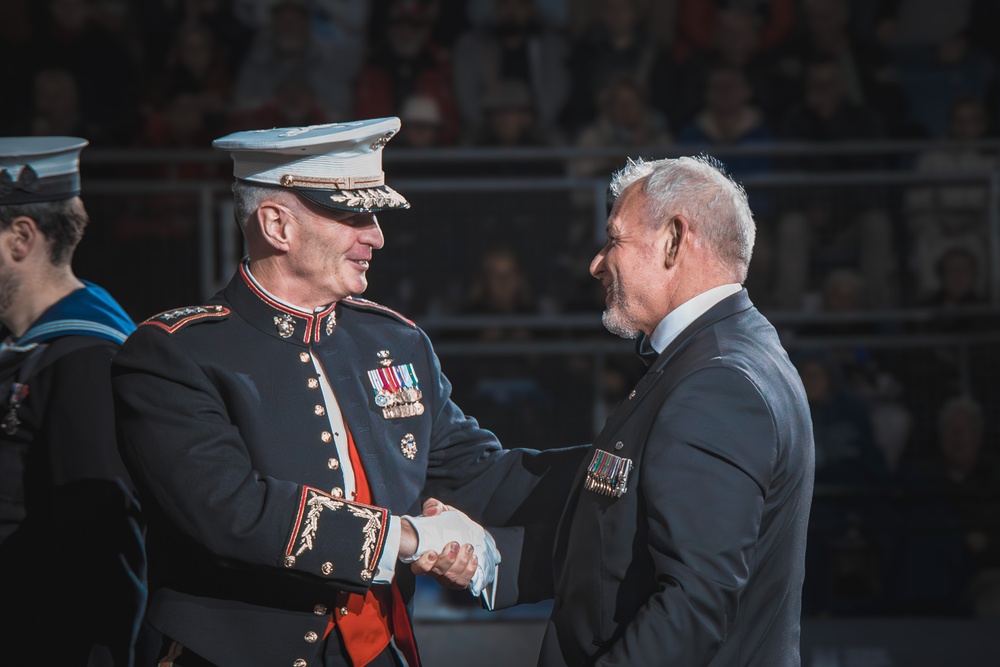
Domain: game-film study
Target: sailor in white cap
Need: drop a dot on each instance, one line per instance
(290, 437)
(65, 497)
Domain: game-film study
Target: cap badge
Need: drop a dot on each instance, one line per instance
(382, 141)
(408, 445)
(285, 325)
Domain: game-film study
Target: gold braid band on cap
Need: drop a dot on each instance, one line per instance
(338, 183)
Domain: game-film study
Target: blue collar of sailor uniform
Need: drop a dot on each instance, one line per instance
(275, 317)
(88, 311)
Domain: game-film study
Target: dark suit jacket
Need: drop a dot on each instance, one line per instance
(701, 561)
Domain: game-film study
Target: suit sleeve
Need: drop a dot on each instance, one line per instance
(517, 494)
(186, 454)
(703, 476)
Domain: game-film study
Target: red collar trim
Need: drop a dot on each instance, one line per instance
(314, 321)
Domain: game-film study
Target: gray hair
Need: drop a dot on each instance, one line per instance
(699, 187)
(247, 198)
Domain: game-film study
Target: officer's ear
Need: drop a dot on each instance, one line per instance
(273, 222)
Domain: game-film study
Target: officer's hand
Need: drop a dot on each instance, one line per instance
(452, 568)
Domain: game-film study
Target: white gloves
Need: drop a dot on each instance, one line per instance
(434, 532)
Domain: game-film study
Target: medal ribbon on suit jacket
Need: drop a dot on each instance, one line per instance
(374, 618)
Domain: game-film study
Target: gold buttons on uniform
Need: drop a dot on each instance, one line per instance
(337, 492)
(619, 444)
(304, 357)
(326, 436)
(311, 637)
(313, 383)
(326, 568)
(366, 575)
(289, 561)
(319, 410)
(333, 464)
(343, 611)
(320, 610)
(299, 663)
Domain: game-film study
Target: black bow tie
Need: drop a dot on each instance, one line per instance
(645, 349)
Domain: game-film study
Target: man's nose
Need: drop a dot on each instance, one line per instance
(372, 235)
(597, 265)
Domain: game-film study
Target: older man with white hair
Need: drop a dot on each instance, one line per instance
(683, 542)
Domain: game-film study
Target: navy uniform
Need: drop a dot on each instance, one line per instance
(71, 554)
(235, 416)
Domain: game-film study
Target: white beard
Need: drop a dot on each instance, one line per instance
(614, 318)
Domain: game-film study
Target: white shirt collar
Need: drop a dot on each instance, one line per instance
(683, 315)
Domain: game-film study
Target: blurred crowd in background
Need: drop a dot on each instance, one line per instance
(907, 518)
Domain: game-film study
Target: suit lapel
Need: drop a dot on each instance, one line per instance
(729, 306)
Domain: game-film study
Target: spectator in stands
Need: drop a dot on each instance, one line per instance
(846, 454)
(869, 371)
(823, 227)
(961, 520)
(501, 288)
(849, 543)
(617, 42)
(736, 44)
(697, 21)
(959, 281)
(294, 103)
(197, 66)
(183, 123)
(824, 31)
(101, 62)
(730, 118)
(422, 123)
(339, 28)
(288, 47)
(510, 389)
(55, 109)
(939, 217)
(627, 122)
(159, 21)
(408, 62)
(510, 120)
(936, 60)
(514, 46)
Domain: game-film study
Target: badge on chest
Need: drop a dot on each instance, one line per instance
(608, 474)
(397, 391)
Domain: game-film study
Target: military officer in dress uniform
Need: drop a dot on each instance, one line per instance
(285, 433)
(72, 567)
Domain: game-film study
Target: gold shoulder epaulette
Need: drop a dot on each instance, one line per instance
(174, 320)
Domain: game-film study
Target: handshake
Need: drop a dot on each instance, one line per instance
(451, 547)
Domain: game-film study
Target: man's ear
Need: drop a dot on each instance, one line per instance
(675, 232)
(23, 237)
(273, 221)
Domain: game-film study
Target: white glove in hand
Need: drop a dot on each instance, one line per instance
(434, 532)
